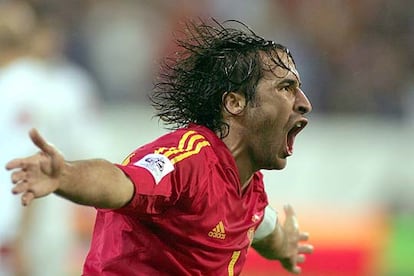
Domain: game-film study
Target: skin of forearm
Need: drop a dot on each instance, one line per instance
(271, 246)
(95, 182)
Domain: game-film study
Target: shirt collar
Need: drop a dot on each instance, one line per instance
(218, 146)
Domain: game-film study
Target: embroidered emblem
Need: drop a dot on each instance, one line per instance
(157, 164)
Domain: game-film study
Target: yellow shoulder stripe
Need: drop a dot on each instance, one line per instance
(127, 159)
(190, 143)
(189, 153)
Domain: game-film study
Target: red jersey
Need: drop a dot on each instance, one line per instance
(188, 215)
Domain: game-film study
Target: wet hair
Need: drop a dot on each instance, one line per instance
(214, 59)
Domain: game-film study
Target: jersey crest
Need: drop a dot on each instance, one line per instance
(157, 164)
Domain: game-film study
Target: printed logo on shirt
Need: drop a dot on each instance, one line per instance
(218, 232)
(256, 217)
(157, 164)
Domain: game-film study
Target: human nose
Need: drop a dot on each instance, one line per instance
(302, 103)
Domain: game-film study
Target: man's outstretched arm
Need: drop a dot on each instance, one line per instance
(285, 243)
(94, 182)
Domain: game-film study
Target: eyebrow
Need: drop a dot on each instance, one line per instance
(290, 82)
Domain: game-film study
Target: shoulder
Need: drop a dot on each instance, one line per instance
(175, 161)
(182, 146)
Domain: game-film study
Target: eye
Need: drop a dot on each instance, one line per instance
(288, 88)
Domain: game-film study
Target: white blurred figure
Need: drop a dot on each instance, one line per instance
(39, 88)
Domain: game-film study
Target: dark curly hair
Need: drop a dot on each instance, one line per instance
(214, 60)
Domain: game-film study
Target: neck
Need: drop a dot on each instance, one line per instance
(238, 148)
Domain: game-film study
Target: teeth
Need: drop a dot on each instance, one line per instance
(299, 125)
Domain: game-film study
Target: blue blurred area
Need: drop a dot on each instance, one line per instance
(354, 57)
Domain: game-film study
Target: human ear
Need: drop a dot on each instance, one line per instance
(234, 103)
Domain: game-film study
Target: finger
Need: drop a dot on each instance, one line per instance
(303, 236)
(296, 270)
(20, 188)
(289, 210)
(40, 142)
(292, 267)
(291, 216)
(305, 248)
(27, 198)
(300, 259)
(18, 176)
(16, 163)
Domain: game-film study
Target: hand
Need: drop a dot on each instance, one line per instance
(294, 249)
(37, 175)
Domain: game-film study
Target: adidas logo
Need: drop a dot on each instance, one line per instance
(218, 231)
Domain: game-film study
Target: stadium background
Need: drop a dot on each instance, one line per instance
(350, 179)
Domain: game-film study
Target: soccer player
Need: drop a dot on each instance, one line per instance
(193, 201)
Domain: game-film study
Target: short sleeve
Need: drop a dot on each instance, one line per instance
(164, 175)
(154, 183)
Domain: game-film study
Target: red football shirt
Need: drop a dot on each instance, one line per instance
(188, 215)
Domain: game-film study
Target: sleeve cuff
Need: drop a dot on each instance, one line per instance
(267, 225)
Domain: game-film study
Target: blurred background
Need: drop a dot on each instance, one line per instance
(81, 71)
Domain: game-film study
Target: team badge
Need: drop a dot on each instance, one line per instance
(157, 164)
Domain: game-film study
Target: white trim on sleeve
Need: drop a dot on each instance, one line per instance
(267, 225)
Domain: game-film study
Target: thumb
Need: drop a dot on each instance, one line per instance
(289, 212)
(290, 217)
(40, 142)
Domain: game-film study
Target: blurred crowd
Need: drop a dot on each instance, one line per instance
(61, 61)
(355, 57)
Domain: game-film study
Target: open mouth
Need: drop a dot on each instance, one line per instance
(290, 140)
